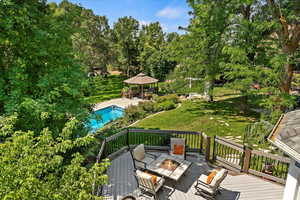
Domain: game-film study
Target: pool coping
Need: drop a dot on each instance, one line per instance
(120, 102)
(108, 107)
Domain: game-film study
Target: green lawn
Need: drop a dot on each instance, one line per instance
(106, 89)
(222, 118)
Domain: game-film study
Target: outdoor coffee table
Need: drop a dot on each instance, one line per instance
(169, 166)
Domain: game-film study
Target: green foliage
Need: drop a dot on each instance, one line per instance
(276, 104)
(134, 113)
(154, 51)
(36, 167)
(125, 37)
(199, 51)
(148, 106)
(105, 88)
(222, 118)
(171, 98)
(143, 109)
(165, 105)
(40, 77)
(92, 40)
(257, 133)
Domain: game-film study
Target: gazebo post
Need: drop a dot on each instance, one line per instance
(142, 91)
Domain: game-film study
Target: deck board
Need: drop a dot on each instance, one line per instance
(238, 187)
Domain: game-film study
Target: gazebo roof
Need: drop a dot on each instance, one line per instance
(141, 79)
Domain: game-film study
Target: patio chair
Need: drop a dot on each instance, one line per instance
(140, 158)
(178, 148)
(149, 183)
(208, 186)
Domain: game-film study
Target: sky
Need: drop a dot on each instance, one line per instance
(170, 13)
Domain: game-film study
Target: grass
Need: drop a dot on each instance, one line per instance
(106, 89)
(222, 117)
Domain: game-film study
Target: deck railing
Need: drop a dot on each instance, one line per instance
(241, 158)
(229, 154)
(152, 139)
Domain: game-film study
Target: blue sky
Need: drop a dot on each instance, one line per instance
(170, 13)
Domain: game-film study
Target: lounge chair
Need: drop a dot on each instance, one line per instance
(178, 148)
(209, 188)
(140, 158)
(149, 183)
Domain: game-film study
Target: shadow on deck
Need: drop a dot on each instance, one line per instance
(234, 187)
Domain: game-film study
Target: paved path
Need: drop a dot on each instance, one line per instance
(120, 102)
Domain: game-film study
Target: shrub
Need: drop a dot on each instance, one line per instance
(148, 106)
(133, 113)
(166, 105)
(172, 97)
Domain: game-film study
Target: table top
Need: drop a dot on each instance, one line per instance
(174, 175)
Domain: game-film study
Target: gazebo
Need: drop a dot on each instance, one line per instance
(141, 80)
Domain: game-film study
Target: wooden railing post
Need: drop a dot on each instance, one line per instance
(214, 148)
(207, 148)
(246, 160)
(127, 138)
(201, 142)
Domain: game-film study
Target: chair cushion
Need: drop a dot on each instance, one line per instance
(139, 152)
(153, 177)
(210, 177)
(206, 189)
(178, 149)
(146, 182)
(218, 176)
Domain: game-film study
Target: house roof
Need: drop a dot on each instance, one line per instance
(141, 79)
(286, 134)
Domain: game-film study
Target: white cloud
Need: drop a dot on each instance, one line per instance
(143, 22)
(164, 27)
(170, 13)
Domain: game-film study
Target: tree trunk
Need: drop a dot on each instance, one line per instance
(289, 37)
(208, 90)
(287, 78)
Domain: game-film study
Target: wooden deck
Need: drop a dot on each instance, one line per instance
(234, 187)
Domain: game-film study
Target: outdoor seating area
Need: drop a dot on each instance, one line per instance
(123, 183)
(172, 165)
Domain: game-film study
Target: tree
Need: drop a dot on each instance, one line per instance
(257, 54)
(153, 48)
(125, 34)
(93, 40)
(201, 47)
(36, 167)
(40, 80)
(285, 15)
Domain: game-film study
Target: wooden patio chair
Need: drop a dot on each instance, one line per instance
(149, 183)
(177, 148)
(209, 188)
(140, 158)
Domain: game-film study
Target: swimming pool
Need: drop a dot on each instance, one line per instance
(103, 116)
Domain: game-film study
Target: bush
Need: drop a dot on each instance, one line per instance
(172, 97)
(133, 113)
(148, 106)
(166, 105)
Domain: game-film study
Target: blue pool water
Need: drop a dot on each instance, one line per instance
(103, 116)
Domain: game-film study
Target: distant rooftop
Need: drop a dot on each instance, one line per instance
(286, 134)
